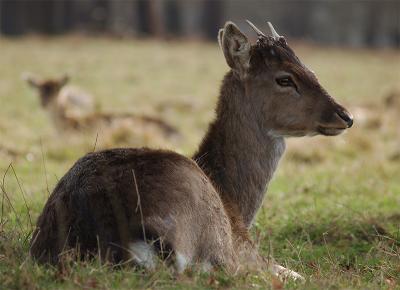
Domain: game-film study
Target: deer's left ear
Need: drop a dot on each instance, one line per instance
(235, 46)
(30, 79)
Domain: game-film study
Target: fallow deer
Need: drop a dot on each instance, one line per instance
(71, 108)
(114, 202)
(65, 103)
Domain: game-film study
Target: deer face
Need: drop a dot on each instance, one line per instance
(286, 96)
(48, 89)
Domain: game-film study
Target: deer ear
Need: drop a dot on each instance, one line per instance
(30, 79)
(64, 80)
(235, 46)
(220, 34)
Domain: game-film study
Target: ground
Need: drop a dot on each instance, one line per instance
(332, 211)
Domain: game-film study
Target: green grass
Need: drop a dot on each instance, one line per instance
(331, 213)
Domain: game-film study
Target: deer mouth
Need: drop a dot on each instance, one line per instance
(330, 131)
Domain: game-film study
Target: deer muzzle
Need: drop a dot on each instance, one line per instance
(335, 119)
(345, 116)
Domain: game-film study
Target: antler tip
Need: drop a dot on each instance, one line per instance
(258, 31)
(273, 31)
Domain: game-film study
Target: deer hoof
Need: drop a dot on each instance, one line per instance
(284, 273)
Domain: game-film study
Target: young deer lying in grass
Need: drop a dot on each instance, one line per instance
(66, 104)
(115, 202)
(71, 108)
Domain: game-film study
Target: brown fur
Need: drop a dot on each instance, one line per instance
(200, 209)
(98, 193)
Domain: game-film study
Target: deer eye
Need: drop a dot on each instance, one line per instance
(285, 82)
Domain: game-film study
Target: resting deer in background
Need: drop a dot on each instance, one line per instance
(71, 108)
(65, 103)
(115, 202)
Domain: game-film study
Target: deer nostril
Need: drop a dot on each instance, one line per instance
(347, 117)
(350, 123)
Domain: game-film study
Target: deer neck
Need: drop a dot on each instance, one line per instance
(237, 154)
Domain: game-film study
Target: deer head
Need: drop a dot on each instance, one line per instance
(286, 96)
(48, 89)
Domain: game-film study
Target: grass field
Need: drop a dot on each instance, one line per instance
(332, 211)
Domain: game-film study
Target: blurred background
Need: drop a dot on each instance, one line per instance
(371, 23)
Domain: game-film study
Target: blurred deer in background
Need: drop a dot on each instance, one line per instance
(66, 104)
(137, 204)
(71, 108)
